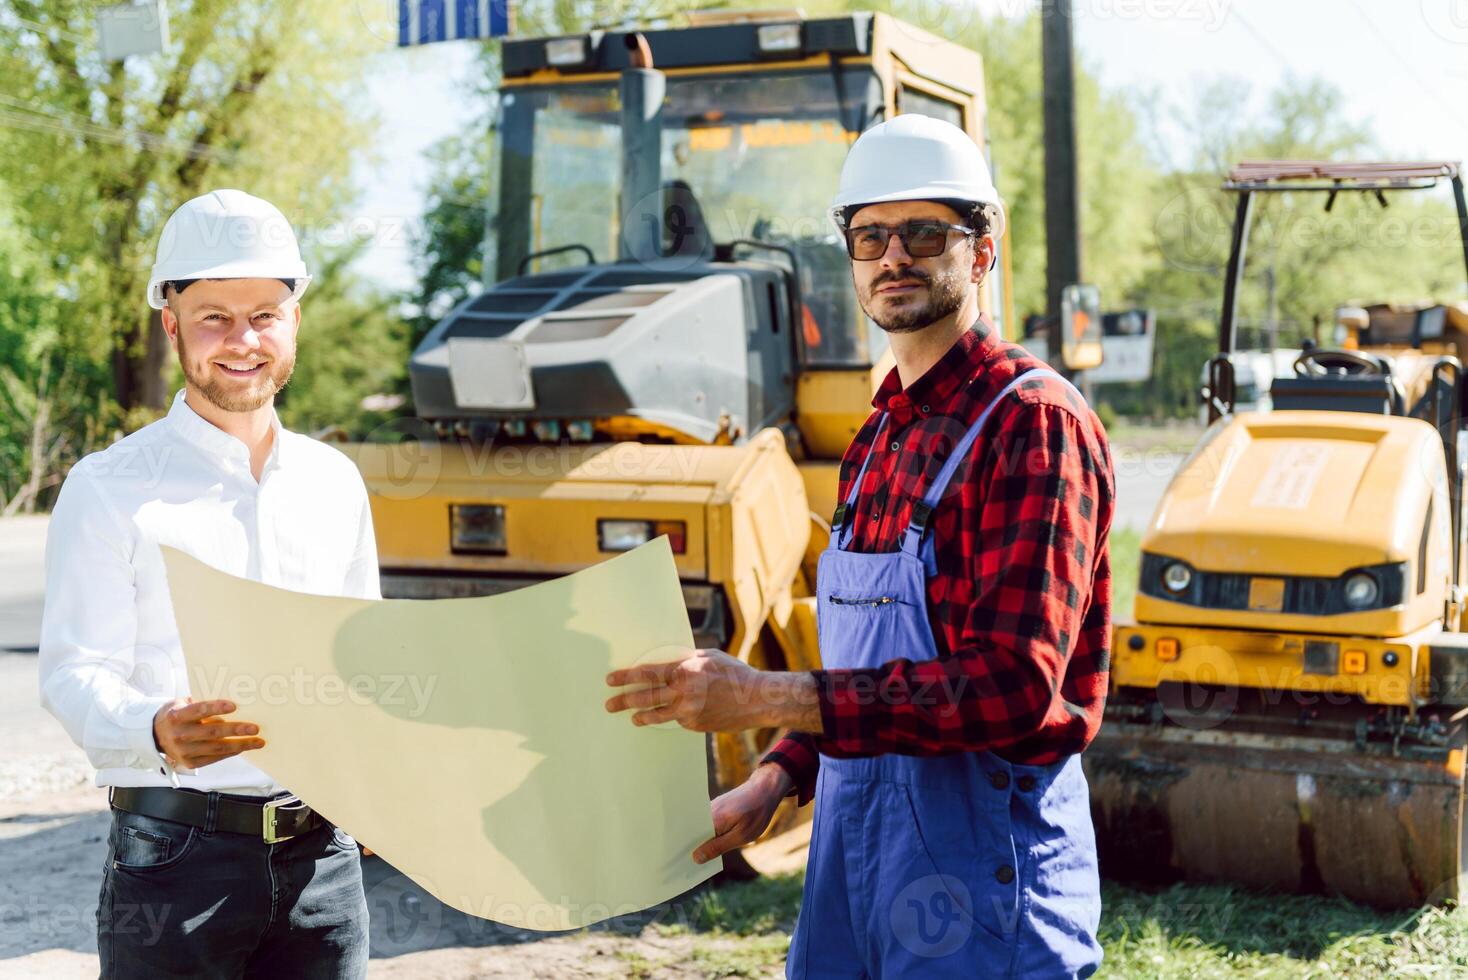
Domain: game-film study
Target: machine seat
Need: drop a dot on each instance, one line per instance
(1371, 394)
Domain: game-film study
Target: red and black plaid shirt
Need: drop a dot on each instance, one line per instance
(1020, 607)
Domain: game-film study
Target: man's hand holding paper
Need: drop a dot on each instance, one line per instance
(464, 737)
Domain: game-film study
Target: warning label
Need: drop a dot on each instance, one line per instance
(1291, 478)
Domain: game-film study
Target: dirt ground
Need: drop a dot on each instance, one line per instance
(53, 843)
(53, 825)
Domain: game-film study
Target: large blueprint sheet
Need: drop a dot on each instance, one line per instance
(464, 740)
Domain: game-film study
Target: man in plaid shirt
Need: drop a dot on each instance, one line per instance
(964, 620)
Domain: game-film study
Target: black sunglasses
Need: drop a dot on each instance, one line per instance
(921, 239)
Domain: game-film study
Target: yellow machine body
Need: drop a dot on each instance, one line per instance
(1287, 710)
(1256, 727)
(1269, 505)
(752, 506)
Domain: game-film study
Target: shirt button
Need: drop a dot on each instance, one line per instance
(999, 780)
(1004, 875)
(895, 446)
(926, 410)
(1026, 783)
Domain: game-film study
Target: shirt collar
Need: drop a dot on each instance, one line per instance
(930, 393)
(215, 441)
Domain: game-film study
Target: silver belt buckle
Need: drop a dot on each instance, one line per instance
(268, 813)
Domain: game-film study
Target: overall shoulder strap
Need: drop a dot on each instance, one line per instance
(922, 511)
(840, 521)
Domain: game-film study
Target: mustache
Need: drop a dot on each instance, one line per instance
(907, 276)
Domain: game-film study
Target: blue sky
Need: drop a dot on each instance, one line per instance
(1401, 64)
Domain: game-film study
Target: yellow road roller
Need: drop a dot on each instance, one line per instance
(1287, 711)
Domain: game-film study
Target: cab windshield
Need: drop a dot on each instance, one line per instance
(757, 155)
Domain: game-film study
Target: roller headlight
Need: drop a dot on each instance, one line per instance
(478, 529)
(1176, 577)
(1361, 591)
(620, 535)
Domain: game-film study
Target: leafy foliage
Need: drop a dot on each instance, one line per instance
(95, 155)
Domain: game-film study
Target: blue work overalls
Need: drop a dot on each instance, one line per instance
(958, 865)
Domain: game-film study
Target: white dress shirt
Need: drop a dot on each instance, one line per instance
(110, 652)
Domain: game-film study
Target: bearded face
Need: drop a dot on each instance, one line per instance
(903, 294)
(906, 300)
(236, 340)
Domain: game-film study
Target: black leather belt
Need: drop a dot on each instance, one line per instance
(271, 820)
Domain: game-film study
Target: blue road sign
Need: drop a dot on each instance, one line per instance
(428, 21)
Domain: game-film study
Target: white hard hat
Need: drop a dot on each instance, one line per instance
(226, 235)
(916, 158)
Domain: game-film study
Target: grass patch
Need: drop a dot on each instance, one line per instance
(634, 965)
(741, 930)
(1126, 550)
(754, 908)
(758, 956)
(1215, 931)
(1134, 436)
(1183, 931)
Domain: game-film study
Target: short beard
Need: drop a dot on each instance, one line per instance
(945, 296)
(275, 377)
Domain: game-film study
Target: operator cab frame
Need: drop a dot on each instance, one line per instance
(753, 102)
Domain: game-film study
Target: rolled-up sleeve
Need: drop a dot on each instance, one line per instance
(796, 753)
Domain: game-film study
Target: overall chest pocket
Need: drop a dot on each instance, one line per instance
(868, 629)
(864, 602)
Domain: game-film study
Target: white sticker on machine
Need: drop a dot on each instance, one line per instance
(1290, 480)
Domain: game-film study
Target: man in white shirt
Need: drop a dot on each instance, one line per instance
(213, 869)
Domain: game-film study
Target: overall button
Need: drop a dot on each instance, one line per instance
(1026, 783)
(999, 780)
(1004, 875)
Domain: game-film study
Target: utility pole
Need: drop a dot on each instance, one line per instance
(1062, 192)
(1271, 325)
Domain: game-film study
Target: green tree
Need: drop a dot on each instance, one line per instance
(1303, 261)
(48, 403)
(351, 352)
(96, 155)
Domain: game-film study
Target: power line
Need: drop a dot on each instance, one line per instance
(39, 119)
(1408, 67)
(1261, 37)
(48, 28)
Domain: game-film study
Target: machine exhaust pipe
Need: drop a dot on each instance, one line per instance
(643, 88)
